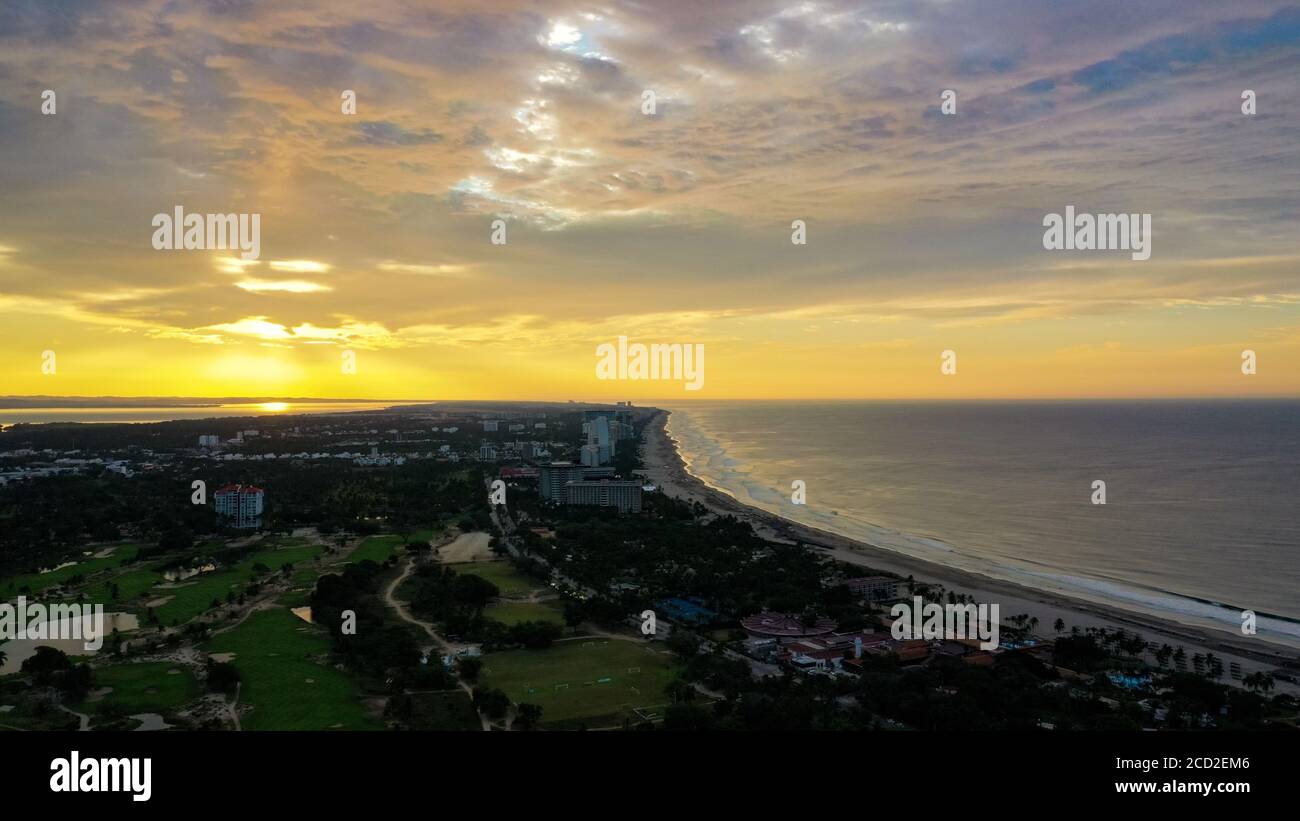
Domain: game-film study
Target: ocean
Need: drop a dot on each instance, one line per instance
(1201, 519)
(168, 413)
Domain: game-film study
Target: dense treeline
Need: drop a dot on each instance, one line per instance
(457, 601)
(668, 551)
(373, 642)
(45, 521)
(1018, 692)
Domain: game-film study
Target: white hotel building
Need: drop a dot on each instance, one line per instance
(242, 504)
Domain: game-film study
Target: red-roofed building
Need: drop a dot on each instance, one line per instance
(520, 473)
(241, 505)
(784, 626)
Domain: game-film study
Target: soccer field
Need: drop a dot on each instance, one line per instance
(594, 681)
(512, 612)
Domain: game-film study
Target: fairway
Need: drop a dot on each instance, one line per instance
(566, 680)
(194, 596)
(130, 586)
(148, 687)
(286, 676)
(37, 582)
(509, 581)
(377, 549)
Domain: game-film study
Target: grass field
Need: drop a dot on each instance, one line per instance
(381, 548)
(512, 612)
(195, 595)
(38, 582)
(130, 585)
(304, 581)
(509, 581)
(152, 687)
(377, 549)
(532, 676)
(425, 534)
(275, 653)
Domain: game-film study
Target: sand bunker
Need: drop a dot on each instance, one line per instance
(467, 547)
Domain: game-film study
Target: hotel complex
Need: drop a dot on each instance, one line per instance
(241, 504)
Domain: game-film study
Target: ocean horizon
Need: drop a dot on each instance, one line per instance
(1199, 522)
(144, 414)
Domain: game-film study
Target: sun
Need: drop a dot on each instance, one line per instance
(274, 407)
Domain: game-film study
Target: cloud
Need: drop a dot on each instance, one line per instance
(292, 286)
(376, 226)
(301, 266)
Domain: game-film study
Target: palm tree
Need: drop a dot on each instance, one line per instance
(1059, 626)
(1214, 665)
(1163, 654)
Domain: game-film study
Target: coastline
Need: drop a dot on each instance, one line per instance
(665, 467)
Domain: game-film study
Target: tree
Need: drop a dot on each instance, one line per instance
(528, 716)
(491, 702)
(1059, 626)
(223, 676)
(1163, 654)
(469, 667)
(686, 717)
(684, 644)
(574, 614)
(680, 691)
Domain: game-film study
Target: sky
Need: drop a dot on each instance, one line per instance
(924, 230)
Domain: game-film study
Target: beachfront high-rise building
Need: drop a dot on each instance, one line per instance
(556, 475)
(599, 449)
(618, 419)
(624, 495)
(241, 505)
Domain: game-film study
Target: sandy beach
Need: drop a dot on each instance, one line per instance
(665, 468)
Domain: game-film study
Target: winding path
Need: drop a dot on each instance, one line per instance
(446, 647)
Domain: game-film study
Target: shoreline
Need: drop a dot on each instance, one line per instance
(665, 467)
